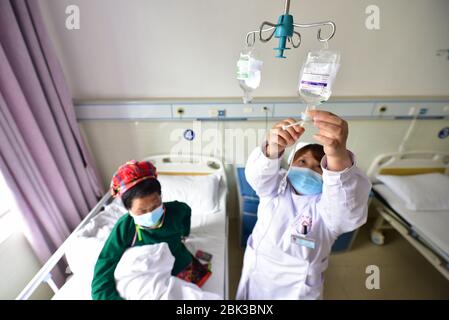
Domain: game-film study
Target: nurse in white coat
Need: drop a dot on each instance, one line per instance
(288, 251)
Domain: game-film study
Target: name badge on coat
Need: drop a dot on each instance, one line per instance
(302, 229)
(304, 241)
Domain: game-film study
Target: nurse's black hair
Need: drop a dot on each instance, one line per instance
(316, 149)
(140, 190)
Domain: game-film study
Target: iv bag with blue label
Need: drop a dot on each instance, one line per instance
(249, 73)
(316, 79)
(317, 76)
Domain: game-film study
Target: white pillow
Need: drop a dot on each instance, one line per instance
(199, 192)
(422, 192)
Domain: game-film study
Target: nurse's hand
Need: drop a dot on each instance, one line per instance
(333, 135)
(279, 139)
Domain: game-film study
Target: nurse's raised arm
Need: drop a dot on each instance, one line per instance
(343, 204)
(263, 167)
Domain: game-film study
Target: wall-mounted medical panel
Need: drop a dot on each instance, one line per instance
(288, 110)
(421, 109)
(228, 110)
(349, 110)
(121, 111)
(222, 111)
(343, 109)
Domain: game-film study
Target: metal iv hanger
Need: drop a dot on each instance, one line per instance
(284, 30)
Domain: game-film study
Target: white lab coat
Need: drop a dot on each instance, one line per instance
(276, 268)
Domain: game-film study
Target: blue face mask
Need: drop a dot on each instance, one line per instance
(149, 219)
(305, 181)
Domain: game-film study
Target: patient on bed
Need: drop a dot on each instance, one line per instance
(148, 221)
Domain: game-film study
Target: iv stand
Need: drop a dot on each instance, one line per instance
(284, 30)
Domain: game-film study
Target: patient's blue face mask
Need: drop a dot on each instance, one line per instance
(149, 219)
(305, 181)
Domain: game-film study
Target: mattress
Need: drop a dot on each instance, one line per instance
(431, 226)
(208, 233)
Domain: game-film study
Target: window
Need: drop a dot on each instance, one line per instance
(9, 219)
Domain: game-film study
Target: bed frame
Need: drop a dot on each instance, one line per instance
(192, 164)
(407, 163)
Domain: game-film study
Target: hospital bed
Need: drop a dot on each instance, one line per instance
(184, 179)
(426, 230)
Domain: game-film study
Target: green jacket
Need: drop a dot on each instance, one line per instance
(176, 225)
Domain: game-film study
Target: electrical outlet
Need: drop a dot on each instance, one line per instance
(382, 110)
(443, 53)
(213, 113)
(423, 111)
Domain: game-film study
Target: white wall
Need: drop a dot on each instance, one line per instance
(18, 266)
(178, 48)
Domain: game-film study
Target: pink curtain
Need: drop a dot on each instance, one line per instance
(42, 155)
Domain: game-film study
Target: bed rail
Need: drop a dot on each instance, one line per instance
(44, 274)
(414, 239)
(408, 163)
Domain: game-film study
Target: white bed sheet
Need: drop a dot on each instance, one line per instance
(432, 226)
(208, 233)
